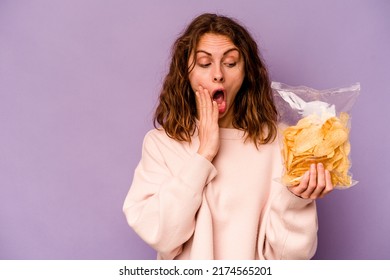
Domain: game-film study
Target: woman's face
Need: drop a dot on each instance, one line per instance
(219, 68)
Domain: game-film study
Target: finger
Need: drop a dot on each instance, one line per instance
(203, 103)
(215, 112)
(321, 182)
(320, 175)
(312, 182)
(208, 104)
(329, 185)
(298, 190)
(198, 103)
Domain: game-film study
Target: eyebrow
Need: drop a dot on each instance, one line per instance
(225, 53)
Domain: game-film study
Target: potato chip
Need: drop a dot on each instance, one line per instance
(308, 138)
(315, 126)
(311, 141)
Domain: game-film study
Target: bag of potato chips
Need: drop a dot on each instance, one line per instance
(315, 126)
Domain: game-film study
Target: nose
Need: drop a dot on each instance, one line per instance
(218, 76)
(218, 79)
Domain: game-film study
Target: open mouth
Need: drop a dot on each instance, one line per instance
(219, 97)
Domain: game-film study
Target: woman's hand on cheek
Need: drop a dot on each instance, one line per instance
(316, 183)
(208, 124)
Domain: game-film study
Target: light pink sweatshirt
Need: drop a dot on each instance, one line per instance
(188, 208)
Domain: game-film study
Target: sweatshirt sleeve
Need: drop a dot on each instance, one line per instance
(291, 225)
(161, 204)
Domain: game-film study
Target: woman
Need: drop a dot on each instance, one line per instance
(204, 188)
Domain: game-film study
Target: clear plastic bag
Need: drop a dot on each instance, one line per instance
(314, 127)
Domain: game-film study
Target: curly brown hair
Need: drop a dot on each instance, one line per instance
(254, 110)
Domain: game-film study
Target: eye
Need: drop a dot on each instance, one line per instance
(204, 65)
(231, 65)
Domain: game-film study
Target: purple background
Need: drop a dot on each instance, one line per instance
(78, 86)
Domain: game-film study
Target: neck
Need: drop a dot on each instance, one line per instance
(229, 125)
(226, 122)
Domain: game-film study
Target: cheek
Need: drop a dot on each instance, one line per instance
(192, 80)
(241, 79)
(196, 80)
(236, 80)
